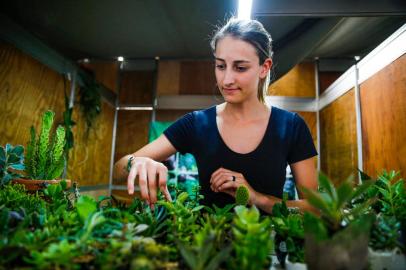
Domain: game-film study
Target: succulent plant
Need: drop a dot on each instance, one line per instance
(45, 157)
(242, 195)
(11, 160)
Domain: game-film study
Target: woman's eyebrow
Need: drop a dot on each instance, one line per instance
(234, 62)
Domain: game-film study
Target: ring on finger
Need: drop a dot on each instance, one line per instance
(233, 178)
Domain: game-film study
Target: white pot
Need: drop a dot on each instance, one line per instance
(384, 259)
(294, 266)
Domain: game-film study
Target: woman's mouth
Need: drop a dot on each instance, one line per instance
(230, 90)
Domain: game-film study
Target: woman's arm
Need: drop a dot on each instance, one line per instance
(304, 173)
(145, 164)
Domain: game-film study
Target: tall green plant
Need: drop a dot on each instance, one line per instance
(45, 157)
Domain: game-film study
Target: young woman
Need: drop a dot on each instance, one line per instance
(239, 142)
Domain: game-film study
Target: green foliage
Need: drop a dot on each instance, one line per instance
(68, 124)
(333, 202)
(11, 161)
(390, 206)
(385, 233)
(90, 99)
(252, 241)
(288, 225)
(242, 195)
(204, 253)
(45, 158)
(183, 223)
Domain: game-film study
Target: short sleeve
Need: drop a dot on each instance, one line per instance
(181, 133)
(302, 146)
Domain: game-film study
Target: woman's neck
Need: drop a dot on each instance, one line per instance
(246, 111)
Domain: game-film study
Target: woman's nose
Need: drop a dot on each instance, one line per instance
(228, 77)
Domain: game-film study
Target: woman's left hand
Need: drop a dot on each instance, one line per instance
(227, 181)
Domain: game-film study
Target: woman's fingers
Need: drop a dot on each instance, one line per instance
(163, 174)
(143, 181)
(220, 179)
(152, 183)
(131, 179)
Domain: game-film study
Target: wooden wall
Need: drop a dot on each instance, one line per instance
(326, 78)
(186, 78)
(89, 162)
(27, 89)
(298, 82)
(383, 109)
(105, 72)
(136, 87)
(338, 138)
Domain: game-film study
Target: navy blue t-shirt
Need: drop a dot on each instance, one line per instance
(287, 140)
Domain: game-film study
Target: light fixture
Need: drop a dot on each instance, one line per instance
(244, 9)
(120, 59)
(357, 57)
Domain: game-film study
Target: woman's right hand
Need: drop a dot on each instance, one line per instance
(151, 175)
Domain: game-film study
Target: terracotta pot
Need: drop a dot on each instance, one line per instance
(34, 185)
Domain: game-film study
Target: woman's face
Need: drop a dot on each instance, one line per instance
(237, 70)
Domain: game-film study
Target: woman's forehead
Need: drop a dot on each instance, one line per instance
(234, 49)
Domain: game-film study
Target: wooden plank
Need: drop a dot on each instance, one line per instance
(383, 109)
(168, 78)
(169, 115)
(105, 72)
(136, 87)
(326, 78)
(27, 89)
(338, 138)
(89, 162)
(311, 121)
(197, 78)
(299, 82)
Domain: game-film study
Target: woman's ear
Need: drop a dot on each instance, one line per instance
(266, 66)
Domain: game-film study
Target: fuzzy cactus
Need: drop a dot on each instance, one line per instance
(45, 158)
(242, 195)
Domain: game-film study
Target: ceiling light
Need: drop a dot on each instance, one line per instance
(244, 9)
(120, 59)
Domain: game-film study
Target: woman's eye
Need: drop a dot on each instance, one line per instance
(240, 69)
(220, 66)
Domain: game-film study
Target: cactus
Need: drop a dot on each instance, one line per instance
(242, 195)
(46, 158)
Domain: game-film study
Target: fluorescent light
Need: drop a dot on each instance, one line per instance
(120, 59)
(244, 9)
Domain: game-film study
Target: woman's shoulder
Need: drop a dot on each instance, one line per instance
(282, 114)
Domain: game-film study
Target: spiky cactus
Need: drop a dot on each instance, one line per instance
(45, 158)
(242, 195)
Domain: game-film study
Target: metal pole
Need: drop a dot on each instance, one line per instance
(154, 90)
(113, 140)
(358, 117)
(317, 87)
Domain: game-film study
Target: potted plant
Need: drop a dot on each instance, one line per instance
(289, 235)
(338, 237)
(45, 159)
(385, 247)
(11, 161)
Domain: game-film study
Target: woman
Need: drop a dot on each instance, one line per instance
(239, 142)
